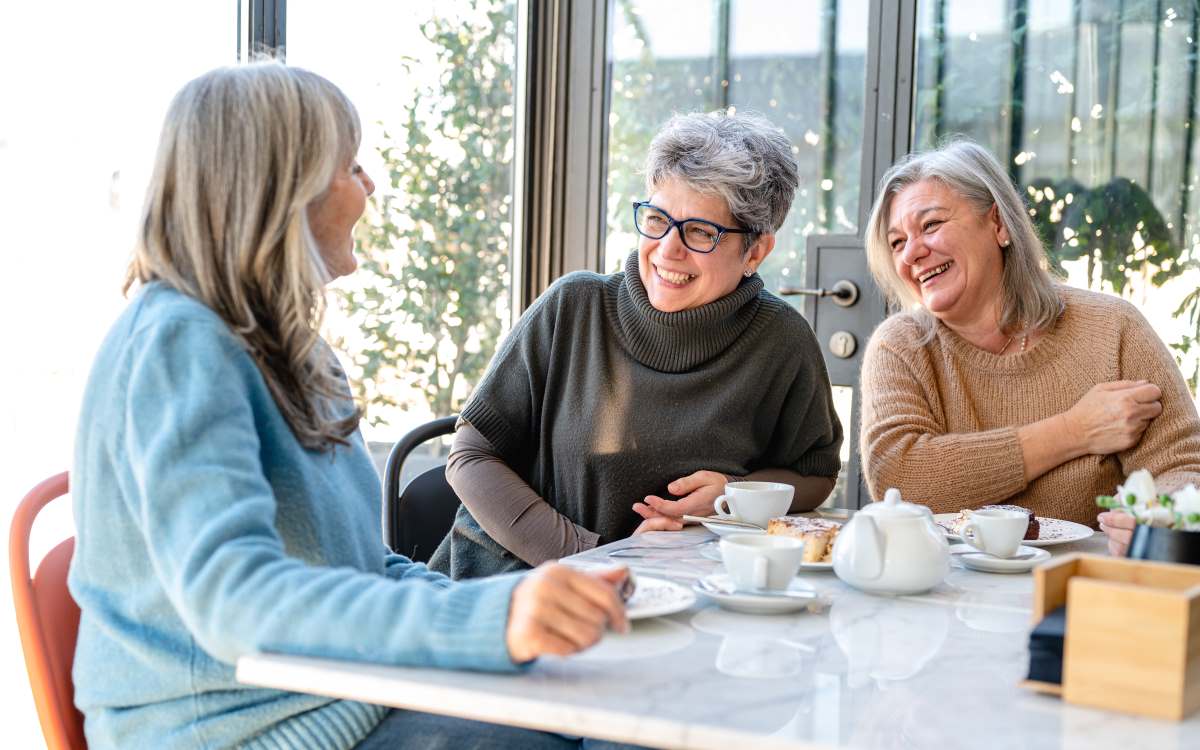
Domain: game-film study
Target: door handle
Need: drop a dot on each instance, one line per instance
(844, 292)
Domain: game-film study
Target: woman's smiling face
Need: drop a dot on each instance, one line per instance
(333, 215)
(677, 278)
(947, 253)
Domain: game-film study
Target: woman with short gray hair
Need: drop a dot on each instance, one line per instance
(620, 403)
(996, 383)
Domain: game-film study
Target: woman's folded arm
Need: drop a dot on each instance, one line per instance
(904, 446)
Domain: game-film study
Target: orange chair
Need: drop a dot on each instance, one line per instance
(48, 620)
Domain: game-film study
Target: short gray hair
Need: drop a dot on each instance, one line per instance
(741, 157)
(1030, 294)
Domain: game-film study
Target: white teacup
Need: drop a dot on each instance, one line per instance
(995, 531)
(757, 561)
(756, 502)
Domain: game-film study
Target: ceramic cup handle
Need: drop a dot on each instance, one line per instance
(721, 506)
(761, 566)
(968, 536)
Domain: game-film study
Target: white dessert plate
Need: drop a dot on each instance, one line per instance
(713, 552)
(758, 604)
(1051, 531)
(655, 597)
(725, 529)
(1026, 559)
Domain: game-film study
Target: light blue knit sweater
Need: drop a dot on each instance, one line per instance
(206, 531)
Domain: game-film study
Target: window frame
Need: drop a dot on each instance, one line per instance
(264, 30)
(562, 134)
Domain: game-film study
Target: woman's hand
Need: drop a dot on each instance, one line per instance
(1119, 528)
(696, 492)
(657, 523)
(1111, 417)
(559, 610)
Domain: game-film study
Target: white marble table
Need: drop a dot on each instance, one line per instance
(937, 670)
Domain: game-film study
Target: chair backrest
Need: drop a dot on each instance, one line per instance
(417, 517)
(47, 619)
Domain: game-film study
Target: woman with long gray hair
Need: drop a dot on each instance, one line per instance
(996, 383)
(224, 500)
(620, 403)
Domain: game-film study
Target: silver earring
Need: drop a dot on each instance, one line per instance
(748, 272)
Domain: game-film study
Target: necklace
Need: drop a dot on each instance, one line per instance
(1024, 342)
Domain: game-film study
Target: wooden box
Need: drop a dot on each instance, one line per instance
(1132, 632)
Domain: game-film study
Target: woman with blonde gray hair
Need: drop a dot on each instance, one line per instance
(224, 500)
(996, 383)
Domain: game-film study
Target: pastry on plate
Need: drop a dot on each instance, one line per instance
(817, 534)
(1031, 531)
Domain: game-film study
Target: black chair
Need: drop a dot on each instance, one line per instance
(416, 518)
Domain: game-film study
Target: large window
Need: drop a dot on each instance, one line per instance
(801, 63)
(1092, 105)
(433, 83)
(84, 91)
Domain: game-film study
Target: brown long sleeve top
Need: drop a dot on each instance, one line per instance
(940, 420)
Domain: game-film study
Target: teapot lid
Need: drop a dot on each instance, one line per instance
(893, 507)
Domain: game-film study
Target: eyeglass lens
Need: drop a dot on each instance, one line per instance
(697, 235)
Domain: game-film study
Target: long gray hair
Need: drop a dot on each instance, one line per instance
(244, 150)
(1030, 298)
(741, 157)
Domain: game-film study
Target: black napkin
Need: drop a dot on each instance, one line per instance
(1046, 647)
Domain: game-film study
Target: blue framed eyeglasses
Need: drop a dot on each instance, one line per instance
(698, 235)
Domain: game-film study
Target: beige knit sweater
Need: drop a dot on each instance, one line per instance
(939, 421)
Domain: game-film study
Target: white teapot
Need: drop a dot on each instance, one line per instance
(892, 547)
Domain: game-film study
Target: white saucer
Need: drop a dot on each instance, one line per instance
(987, 563)
(656, 597)
(713, 552)
(757, 604)
(725, 529)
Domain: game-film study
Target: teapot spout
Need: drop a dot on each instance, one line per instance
(866, 559)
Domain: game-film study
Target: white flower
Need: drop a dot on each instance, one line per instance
(1187, 502)
(1140, 484)
(1187, 499)
(1156, 515)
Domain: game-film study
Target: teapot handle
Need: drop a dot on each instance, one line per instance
(866, 558)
